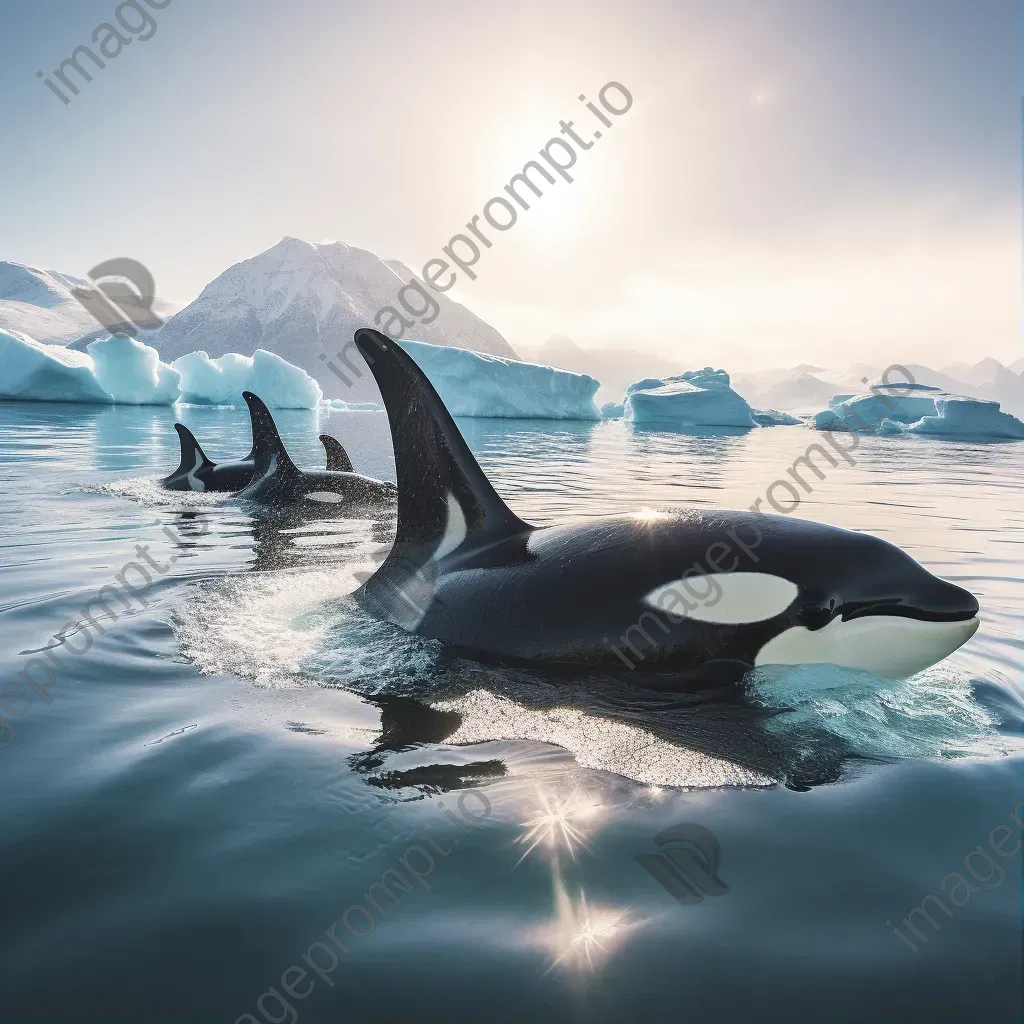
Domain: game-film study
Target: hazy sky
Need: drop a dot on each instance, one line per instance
(820, 180)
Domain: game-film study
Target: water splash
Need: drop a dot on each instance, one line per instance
(936, 713)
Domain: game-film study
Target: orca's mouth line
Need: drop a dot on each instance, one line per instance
(892, 606)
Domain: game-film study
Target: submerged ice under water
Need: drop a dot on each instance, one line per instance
(255, 730)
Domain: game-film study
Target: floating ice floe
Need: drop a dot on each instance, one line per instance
(131, 373)
(221, 381)
(917, 409)
(699, 398)
(117, 369)
(340, 403)
(46, 373)
(476, 384)
(120, 370)
(774, 418)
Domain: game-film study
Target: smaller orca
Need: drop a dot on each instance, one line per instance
(197, 472)
(278, 480)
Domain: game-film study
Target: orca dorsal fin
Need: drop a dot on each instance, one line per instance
(268, 449)
(337, 458)
(436, 469)
(192, 455)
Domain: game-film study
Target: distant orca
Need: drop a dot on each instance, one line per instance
(277, 480)
(196, 472)
(337, 458)
(464, 569)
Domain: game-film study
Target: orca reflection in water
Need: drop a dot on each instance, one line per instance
(464, 569)
(197, 472)
(277, 480)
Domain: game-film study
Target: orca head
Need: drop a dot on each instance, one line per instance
(859, 602)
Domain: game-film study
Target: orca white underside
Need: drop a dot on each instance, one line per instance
(887, 645)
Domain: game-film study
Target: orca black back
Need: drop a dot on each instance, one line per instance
(278, 480)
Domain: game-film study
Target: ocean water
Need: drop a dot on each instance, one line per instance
(224, 764)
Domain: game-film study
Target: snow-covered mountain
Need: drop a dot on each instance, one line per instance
(304, 302)
(800, 392)
(39, 303)
(1000, 383)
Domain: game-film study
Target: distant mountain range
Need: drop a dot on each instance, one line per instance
(304, 301)
(802, 391)
(39, 303)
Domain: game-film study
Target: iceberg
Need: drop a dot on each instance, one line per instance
(111, 370)
(221, 381)
(46, 373)
(122, 370)
(131, 373)
(774, 418)
(699, 398)
(865, 412)
(967, 417)
(918, 409)
(478, 384)
(612, 410)
(340, 403)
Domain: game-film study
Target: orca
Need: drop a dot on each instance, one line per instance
(672, 598)
(196, 472)
(278, 481)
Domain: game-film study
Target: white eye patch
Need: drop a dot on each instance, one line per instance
(725, 598)
(329, 496)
